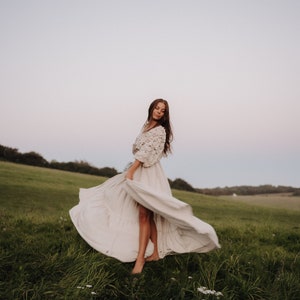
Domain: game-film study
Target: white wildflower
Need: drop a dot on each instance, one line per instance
(93, 293)
(89, 286)
(204, 290)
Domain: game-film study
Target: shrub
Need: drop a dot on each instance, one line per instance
(181, 184)
(34, 159)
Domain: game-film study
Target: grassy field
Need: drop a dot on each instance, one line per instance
(284, 200)
(43, 257)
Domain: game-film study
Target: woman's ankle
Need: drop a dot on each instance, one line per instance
(138, 266)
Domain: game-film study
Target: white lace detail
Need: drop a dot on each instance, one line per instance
(149, 146)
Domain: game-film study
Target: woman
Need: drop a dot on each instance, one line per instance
(133, 216)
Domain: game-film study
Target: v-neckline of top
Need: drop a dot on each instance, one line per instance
(145, 131)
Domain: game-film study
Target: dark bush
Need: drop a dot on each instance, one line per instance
(34, 159)
(181, 184)
(10, 154)
(83, 167)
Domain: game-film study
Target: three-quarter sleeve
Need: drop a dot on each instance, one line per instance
(149, 146)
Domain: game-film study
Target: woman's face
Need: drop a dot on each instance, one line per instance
(158, 111)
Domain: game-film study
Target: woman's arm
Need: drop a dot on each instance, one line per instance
(149, 146)
(132, 169)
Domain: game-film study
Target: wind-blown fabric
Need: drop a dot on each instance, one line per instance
(107, 215)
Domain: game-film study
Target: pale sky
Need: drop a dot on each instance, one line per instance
(77, 77)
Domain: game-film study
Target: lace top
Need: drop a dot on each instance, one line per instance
(149, 146)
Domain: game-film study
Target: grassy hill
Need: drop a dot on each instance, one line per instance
(43, 257)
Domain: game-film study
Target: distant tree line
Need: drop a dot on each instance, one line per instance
(35, 159)
(249, 190)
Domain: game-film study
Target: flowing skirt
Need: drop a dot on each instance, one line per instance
(107, 217)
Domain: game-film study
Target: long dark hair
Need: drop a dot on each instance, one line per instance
(164, 121)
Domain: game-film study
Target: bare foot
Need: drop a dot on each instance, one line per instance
(138, 267)
(153, 257)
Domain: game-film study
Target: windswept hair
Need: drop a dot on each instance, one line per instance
(164, 121)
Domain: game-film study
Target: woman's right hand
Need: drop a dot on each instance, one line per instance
(129, 175)
(131, 170)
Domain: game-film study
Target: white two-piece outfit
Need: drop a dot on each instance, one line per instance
(107, 216)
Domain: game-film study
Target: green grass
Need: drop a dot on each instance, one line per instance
(43, 257)
(284, 200)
